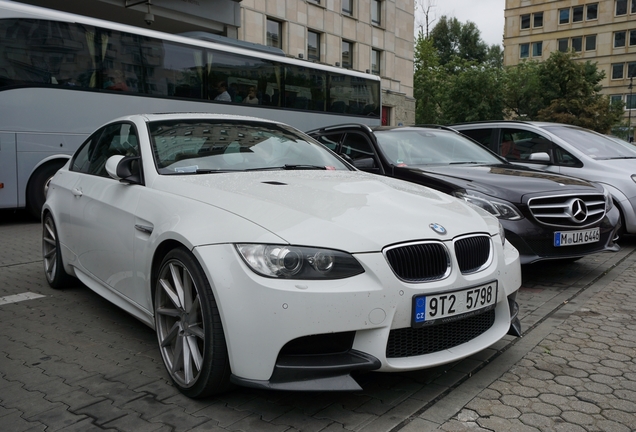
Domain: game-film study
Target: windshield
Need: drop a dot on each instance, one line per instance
(405, 147)
(594, 145)
(205, 146)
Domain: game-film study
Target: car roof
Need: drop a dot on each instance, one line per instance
(540, 124)
(191, 115)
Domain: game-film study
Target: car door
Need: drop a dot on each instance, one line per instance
(103, 212)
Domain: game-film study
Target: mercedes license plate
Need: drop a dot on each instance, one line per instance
(573, 238)
(449, 306)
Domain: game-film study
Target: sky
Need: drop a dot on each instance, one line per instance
(488, 15)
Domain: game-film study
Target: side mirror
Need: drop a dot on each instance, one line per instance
(540, 157)
(364, 164)
(124, 168)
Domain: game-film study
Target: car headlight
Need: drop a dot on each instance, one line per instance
(497, 208)
(298, 262)
(502, 234)
(609, 202)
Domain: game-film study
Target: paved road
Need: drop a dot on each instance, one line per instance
(71, 361)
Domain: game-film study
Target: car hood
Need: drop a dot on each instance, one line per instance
(351, 211)
(506, 182)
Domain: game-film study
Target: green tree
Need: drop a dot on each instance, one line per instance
(426, 81)
(452, 39)
(471, 92)
(562, 90)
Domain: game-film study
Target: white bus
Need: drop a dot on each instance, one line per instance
(63, 75)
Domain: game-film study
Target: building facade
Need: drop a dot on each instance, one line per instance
(601, 31)
(374, 36)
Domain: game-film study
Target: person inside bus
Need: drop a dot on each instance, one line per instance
(251, 97)
(223, 95)
(116, 81)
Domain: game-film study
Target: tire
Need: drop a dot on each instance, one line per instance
(189, 328)
(54, 271)
(38, 184)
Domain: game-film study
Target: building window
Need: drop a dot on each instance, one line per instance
(313, 46)
(633, 6)
(376, 12)
(564, 16)
(577, 14)
(592, 11)
(376, 57)
(577, 44)
(631, 102)
(614, 99)
(619, 39)
(632, 37)
(621, 7)
(537, 49)
(524, 50)
(347, 54)
(562, 45)
(617, 70)
(538, 19)
(631, 69)
(347, 7)
(590, 43)
(525, 21)
(274, 32)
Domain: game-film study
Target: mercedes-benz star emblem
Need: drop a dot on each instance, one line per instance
(438, 228)
(578, 210)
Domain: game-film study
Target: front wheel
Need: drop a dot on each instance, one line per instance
(189, 327)
(56, 276)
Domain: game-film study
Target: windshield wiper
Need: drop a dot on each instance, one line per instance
(466, 162)
(303, 167)
(214, 171)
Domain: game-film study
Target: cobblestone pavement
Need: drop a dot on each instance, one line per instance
(69, 360)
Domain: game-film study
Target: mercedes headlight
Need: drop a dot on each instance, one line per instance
(298, 262)
(499, 209)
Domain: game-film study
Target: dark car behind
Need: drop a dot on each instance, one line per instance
(545, 216)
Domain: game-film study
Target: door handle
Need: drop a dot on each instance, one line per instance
(77, 192)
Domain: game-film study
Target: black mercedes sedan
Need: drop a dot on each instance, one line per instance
(545, 216)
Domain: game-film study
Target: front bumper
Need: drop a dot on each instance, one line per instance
(535, 242)
(265, 318)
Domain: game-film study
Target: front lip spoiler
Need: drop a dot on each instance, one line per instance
(318, 372)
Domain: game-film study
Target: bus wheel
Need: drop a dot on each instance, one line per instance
(38, 183)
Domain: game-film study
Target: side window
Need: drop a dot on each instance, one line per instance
(482, 136)
(356, 146)
(519, 145)
(565, 158)
(331, 141)
(81, 160)
(115, 139)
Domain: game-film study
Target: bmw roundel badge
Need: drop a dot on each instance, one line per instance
(438, 228)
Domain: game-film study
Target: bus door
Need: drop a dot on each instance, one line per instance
(8, 174)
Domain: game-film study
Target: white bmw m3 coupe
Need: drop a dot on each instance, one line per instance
(262, 259)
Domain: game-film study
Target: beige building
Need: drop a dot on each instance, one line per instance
(602, 31)
(374, 36)
(365, 35)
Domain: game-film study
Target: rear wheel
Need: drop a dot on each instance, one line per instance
(38, 184)
(189, 328)
(56, 276)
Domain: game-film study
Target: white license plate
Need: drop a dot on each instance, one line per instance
(439, 308)
(573, 238)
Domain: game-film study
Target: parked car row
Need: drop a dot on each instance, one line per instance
(270, 258)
